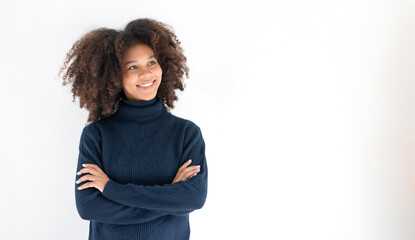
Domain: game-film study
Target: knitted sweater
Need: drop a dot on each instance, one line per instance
(140, 148)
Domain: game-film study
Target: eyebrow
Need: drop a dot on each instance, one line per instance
(135, 61)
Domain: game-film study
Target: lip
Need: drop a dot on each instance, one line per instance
(145, 88)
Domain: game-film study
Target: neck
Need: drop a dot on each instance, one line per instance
(144, 111)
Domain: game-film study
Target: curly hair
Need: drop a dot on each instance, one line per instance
(95, 69)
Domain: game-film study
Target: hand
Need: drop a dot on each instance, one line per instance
(97, 176)
(185, 172)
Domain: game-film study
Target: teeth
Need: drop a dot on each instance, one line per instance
(146, 85)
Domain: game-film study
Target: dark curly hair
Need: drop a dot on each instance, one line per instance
(95, 69)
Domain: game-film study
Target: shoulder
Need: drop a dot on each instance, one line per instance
(190, 131)
(92, 130)
(184, 124)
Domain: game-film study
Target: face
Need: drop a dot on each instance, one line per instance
(139, 69)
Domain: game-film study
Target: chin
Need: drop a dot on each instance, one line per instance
(146, 97)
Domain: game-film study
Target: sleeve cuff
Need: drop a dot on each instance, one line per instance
(109, 189)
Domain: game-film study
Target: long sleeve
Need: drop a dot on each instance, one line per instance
(90, 203)
(181, 197)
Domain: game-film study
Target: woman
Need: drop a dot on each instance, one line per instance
(141, 170)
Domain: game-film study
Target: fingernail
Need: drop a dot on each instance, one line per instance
(79, 187)
(190, 160)
(83, 165)
(77, 173)
(198, 166)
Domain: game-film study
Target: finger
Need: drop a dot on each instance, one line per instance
(94, 166)
(191, 168)
(86, 185)
(86, 177)
(190, 174)
(185, 164)
(188, 169)
(98, 169)
(87, 170)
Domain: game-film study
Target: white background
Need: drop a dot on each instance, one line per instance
(307, 109)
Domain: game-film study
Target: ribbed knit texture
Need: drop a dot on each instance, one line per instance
(141, 148)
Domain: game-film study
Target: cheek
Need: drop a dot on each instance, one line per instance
(127, 77)
(159, 72)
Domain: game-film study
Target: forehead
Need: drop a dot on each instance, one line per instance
(138, 51)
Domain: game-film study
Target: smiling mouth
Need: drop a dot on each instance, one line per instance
(146, 85)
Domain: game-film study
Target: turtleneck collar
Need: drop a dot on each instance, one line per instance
(143, 111)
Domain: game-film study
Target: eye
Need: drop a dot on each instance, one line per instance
(152, 62)
(130, 68)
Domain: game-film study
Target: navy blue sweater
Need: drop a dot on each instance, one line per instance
(140, 148)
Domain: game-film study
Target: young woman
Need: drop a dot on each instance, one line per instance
(141, 170)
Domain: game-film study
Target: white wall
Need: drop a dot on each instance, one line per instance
(307, 110)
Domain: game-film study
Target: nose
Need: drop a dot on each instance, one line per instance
(144, 74)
